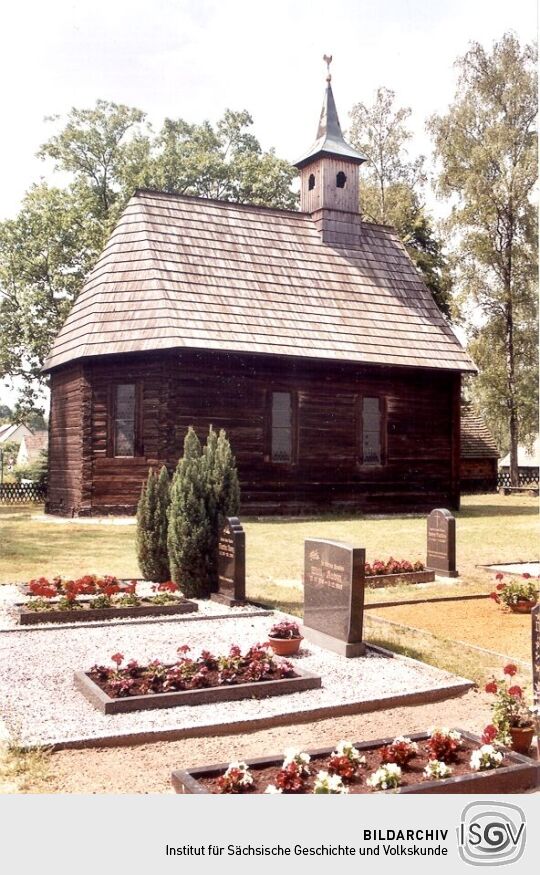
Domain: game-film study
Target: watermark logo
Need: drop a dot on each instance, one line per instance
(491, 833)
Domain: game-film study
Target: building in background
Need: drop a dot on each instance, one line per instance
(309, 336)
(479, 454)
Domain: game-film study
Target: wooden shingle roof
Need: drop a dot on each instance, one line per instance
(477, 442)
(190, 272)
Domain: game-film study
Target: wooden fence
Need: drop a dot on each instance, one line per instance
(526, 478)
(22, 493)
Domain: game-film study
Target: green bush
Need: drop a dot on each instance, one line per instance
(152, 527)
(205, 490)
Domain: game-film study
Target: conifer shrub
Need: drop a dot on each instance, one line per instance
(152, 527)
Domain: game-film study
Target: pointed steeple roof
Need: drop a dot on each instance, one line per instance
(330, 139)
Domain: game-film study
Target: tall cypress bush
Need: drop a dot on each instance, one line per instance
(222, 491)
(190, 532)
(152, 525)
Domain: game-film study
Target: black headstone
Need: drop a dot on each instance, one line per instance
(334, 581)
(535, 615)
(231, 563)
(441, 542)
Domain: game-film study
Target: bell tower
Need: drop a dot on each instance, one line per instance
(329, 185)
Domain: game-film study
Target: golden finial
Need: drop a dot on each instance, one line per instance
(328, 60)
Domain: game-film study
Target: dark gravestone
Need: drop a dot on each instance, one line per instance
(231, 564)
(334, 581)
(441, 542)
(535, 617)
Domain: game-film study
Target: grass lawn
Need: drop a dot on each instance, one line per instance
(490, 529)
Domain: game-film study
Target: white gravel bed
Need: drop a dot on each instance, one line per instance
(41, 706)
(10, 595)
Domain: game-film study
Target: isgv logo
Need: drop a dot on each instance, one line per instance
(491, 833)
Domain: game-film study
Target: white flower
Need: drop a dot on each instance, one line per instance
(449, 733)
(272, 789)
(325, 783)
(246, 779)
(403, 739)
(385, 778)
(347, 749)
(295, 755)
(486, 757)
(437, 769)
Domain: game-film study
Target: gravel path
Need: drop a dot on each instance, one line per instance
(41, 706)
(147, 768)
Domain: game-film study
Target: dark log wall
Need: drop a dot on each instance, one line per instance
(64, 492)
(421, 465)
(478, 475)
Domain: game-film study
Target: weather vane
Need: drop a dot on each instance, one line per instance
(328, 60)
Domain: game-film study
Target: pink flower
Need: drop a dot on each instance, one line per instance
(516, 692)
(185, 648)
(489, 734)
(510, 669)
(118, 658)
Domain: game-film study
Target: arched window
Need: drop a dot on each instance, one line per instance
(341, 179)
(311, 182)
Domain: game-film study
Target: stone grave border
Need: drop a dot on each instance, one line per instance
(304, 680)
(33, 618)
(522, 774)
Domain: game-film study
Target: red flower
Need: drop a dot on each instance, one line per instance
(510, 669)
(118, 658)
(500, 586)
(516, 692)
(495, 597)
(491, 687)
(489, 734)
(185, 648)
(499, 576)
(526, 575)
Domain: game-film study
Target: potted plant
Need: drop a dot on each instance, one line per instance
(285, 638)
(518, 595)
(513, 720)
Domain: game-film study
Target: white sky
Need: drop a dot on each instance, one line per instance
(195, 58)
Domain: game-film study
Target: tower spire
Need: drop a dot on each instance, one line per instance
(330, 140)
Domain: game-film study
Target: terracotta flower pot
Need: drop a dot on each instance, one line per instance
(524, 606)
(285, 646)
(522, 737)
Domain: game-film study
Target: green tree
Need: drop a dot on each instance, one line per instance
(487, 148)
(222, 491)
(152, 527)
(190, 534)
(391, 185)
(105, 153)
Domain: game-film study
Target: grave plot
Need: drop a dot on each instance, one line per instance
(476, 621)
(41, 704)
(418, 765)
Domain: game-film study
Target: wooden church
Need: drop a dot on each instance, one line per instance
(309, 336)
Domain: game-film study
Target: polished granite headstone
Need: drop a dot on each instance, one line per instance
(231, 564)
(334, 581)
(535, 616)
(441, 543)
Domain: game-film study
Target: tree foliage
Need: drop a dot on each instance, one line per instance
(222, 491)
(189, 534)
(105, 153)
(487, 147)
(152, 527)
(391, 186)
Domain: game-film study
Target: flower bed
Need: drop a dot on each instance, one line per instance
(96, 598)
(391, 572)
(470, 768)
(253, 674)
